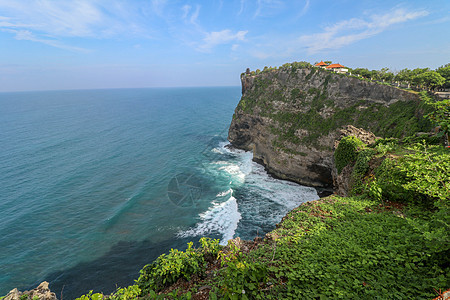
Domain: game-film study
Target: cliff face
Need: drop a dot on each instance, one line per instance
(290, 118)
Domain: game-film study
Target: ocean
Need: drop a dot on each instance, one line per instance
(97, 183)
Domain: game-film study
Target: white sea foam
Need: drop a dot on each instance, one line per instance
(221, 218)
(216, 150)
(223, 194)
(282, 192)
(263, 200)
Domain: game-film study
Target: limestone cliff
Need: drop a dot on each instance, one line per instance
(290, 118)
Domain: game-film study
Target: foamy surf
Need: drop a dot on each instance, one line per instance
(251, 201)
(220, 219)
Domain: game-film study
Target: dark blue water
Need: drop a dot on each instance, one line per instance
(95, 184)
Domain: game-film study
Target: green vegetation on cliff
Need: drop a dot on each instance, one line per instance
(312, 105)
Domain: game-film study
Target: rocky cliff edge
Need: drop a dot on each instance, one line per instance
(291, 117)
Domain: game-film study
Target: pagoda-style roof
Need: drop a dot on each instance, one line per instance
(321, 64)
(335, 66)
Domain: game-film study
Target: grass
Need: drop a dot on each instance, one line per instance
(351, 248)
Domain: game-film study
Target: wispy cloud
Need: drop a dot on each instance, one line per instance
(50, 22)
(226, 36)
(29, 36)
(190, 15)
(305, 8)
(268, 7)
(56, 18)
(241, 7)
(349, 31)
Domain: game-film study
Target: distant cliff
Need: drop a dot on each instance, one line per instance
(290, 118)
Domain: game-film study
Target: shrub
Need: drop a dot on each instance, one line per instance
(347, 151)
(440, 115)
(167, 269)
(360, 169)
(242, 277)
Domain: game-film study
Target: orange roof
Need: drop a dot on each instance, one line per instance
(321, 64)
(334, 66)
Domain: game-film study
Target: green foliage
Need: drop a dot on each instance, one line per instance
(362, 71)
(129, 293)
(383, 146)
(360, 169)
(347, 151)
(296, 93)
(400, 119)
(374, 191)
(427, 171)
(417, 174)
(440, 115)
(362, 162)
(91, 296)
(168, 268)
(431, 79)
(444, 71)
(294, 66)
(242, 276)
(420, 175)
(333, 248)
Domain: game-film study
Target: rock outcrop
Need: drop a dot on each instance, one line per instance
(290, 118)
(42, 292)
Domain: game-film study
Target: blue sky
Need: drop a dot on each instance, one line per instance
(85, 44)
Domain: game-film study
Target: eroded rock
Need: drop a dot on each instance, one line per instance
(42, 292)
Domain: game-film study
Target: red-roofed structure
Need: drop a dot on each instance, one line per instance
(321, 64)
(337, 68)
(332, 66)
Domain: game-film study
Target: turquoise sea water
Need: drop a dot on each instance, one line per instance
(95, 184)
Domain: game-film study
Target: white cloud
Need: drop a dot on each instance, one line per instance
(60, 18)
(349, 31)
(61, 23)
(50, 22)
(29, 36)
(215, 38)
